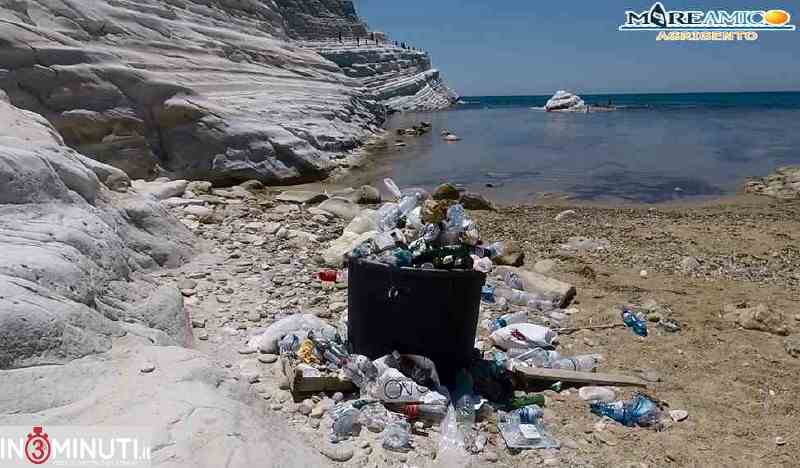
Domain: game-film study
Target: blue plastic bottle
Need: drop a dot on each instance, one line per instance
(640, 410)
(633, 321)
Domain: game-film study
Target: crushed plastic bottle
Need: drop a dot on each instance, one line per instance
(347, 419)
(513, 281)
(535, 357)
(635, 321)
(640, 410)
(397, 437)
(506, 320)
(528, 299)
(523, 429)
(583, 363)
(487, 293)
(407, 204)
(388, 216)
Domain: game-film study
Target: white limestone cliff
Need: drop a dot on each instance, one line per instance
(224, 91)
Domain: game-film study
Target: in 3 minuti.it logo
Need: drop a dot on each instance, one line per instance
(706, 25)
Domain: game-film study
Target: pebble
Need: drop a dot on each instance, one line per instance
(187, 284)
(283, 384)
(338, 396)
(305, 407)
(337, 307)
(643, 273)
(198, 323)
(605, 438)
(203, 336)
(490, 456)
(147, 368)
(565, 214)
(245, 351)
(314, 423)
(651, 375)
(780, 441)
(318, 411)
(678, 415)
(267, 358)
(337, 452)
(604, 394)
(254, 317)
(276, 407)
(363, 444)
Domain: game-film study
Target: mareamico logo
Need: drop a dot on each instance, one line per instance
(658, 18)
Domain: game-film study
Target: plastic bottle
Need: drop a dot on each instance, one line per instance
(407, 204)
(507, 319)
(346, 421)
(523, 429)
(433, 414)
(388, 216)
(392, 187)
(513, 280)
(536, 357)
(495, 249)
(640, 410)
(584, 363)
(636, 322)
(522, 298)
(527, 400)
(487, 293)
(397, 437)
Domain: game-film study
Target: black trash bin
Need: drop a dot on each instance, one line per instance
(433, 313)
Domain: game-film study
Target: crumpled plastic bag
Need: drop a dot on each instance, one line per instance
(524, 335)
(267, 342)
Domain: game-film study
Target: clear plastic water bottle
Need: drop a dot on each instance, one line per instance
(522, 298)
(523, 428)
(407, 204)
(388, 216)
(513, 281)
(397, 436)
(584, 363)
(640, 410)
(507, 319)
(635, 321)
(536, 357)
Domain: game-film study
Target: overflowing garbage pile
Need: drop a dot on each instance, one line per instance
(422, 232)
(516, 352)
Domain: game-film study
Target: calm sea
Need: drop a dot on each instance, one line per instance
(655, 147)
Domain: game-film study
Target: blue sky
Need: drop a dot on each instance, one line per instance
(511, 47)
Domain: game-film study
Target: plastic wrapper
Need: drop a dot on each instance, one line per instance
(524, 335)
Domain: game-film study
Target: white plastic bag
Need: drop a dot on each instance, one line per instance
(524, 335)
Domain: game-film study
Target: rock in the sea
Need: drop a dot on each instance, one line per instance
(565, 101)
(475, 201)
(759, 317)
(446, 192)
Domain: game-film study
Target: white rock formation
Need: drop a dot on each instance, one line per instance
(565, 101)
(86, 340)
(220, 91)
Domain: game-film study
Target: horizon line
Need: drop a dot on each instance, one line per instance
(627, 93)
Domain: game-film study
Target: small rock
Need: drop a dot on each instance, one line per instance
(792, 345)
(276, 407)
(202, 336)
(301, 196)
(283, 384)
(318, 411)
(341, 208)
(651, 375)
(198, 323)
(565, 214)
(678, 415)
(643, 273)
(187, 284)
(147, 368)
(446, 192)
(368, 194)
(490, 456)
(476, 202)
(604, 394)
(759, 317)
(606, 438)
(338, 396)
(780, 441)
(246, 350)
(544, 266)
(338, 452)
(337, 307)
(305, 407)
(689, 264)
(363, 444)
(267, 358)
(254, 317)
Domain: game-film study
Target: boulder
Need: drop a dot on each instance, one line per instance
(792, 345)
(474, 201)
(341, 208)
(446, 192)
(512, 255)
(369, 195)
(365, 221)
(759, 317)
(565, 101)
